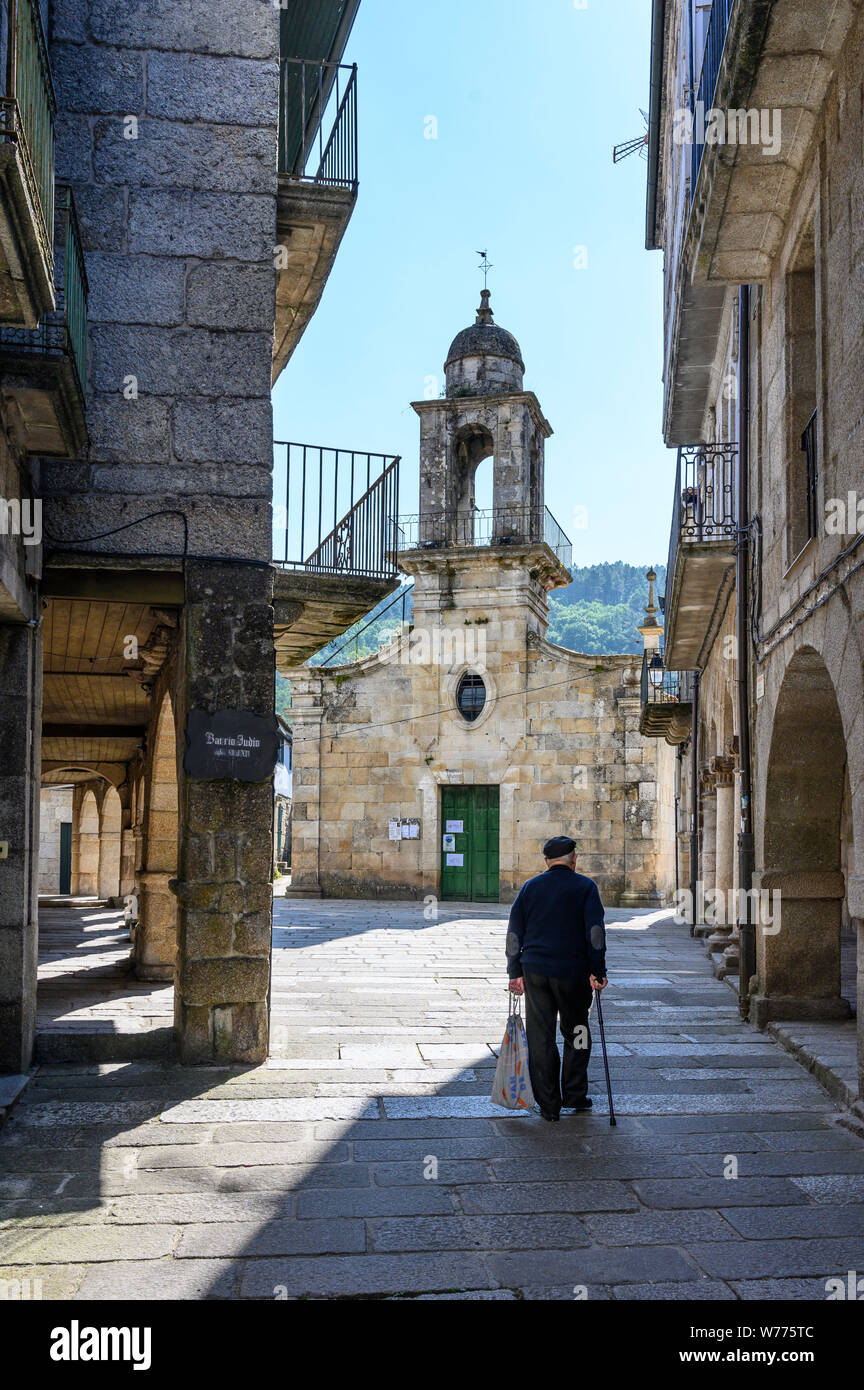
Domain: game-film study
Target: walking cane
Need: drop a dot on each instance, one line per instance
(612, 1119)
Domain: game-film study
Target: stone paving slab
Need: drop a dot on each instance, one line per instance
(364, 1274)
(773, 1259)
(86, 1244)
(56, 1282)
(273, 1238)
(163, 1280)
(825, 1190)
(798, 1222)
(717, 1193)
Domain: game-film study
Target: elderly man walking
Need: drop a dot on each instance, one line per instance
(556, 956)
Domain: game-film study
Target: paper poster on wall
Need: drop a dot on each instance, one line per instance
(414, 832)
(395, 830)
(455, 861)
(455, 827)
(449, 841)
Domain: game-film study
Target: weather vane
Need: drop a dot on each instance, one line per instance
(485, 267)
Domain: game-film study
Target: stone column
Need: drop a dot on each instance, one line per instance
(708, 845)
(155, 937)
(224, 886)
(127, 857)
(798, 953)
(732, 951)
(21, 683)
(855, 903)
(306, 715)
(724, 861)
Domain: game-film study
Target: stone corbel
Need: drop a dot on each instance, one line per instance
(707, 780)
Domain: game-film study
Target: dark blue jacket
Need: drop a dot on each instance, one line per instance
(557, 928)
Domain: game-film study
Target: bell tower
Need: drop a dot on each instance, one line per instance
(485, 412)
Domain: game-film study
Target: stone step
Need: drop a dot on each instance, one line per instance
(101, 1045)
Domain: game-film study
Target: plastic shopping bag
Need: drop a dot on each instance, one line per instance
(512, 1085)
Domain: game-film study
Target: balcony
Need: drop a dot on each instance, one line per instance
(43, 370)
(667, 701)
(335, 543)
(766, 70)
(27, 111)
(471, 528)
(318, 181)
(700, 572)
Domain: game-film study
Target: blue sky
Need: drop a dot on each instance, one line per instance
(529, 98)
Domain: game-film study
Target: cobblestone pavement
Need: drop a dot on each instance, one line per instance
(313, 1176)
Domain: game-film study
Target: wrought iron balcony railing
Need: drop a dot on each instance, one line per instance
(703, 510)
(318, 122)
(662, 687)
(702, 95)
(500, 526)
(27, 112)
(62, 335)
(340, 511)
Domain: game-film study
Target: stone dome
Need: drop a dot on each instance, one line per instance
(484, 359)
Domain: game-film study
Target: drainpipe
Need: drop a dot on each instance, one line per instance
(658, 25)
(694, 804)
(746, 841)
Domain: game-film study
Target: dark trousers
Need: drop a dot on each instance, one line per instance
(547, 999)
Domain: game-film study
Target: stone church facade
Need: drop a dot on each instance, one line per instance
(438, 767)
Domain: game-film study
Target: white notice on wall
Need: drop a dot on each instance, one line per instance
(455, 827)
(455, 861)
(449, 842)
(395, 830)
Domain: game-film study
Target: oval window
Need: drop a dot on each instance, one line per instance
(471, 696)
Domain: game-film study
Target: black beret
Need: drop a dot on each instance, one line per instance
(559, 847)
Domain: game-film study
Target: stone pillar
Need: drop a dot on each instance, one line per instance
(21, 683)
(798, 955)
(306, 716)
(155, 938)
(127, 857)
(855, 903)
(724, 859)
(708, 845)
(224, 886)
(732, 951)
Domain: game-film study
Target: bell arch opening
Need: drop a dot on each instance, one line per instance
(473, 445)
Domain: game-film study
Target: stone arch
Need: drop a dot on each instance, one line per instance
(110, 830)
(155, 938)
(798, 959)
(472, 444)
(85, 845)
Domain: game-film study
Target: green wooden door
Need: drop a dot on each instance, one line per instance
(470, 815)
(65, 857)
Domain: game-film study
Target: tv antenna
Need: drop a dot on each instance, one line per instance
(639, 145)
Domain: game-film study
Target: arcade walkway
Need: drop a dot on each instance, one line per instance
(365, 1160)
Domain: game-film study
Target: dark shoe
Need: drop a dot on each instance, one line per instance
(579, 1109)
(548, 1115)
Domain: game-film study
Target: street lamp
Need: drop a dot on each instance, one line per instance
(656, 671)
